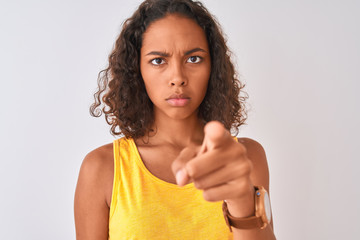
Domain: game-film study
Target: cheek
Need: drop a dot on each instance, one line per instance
(152, 86)
(147, 77)
(150, 89)
(201, 79)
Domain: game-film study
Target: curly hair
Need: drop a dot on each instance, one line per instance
(121, 93)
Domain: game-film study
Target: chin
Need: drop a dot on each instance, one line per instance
(181, 114)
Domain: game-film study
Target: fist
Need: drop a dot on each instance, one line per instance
(220, 167)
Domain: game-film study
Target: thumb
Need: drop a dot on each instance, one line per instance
(178, 166)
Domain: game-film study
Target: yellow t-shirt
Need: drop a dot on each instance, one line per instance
(146, 207)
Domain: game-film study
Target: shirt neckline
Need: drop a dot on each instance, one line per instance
(141, 164)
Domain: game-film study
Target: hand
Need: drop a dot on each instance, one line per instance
(220, 168)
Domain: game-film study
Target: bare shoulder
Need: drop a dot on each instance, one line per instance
(98, 160)
(93, 194)
(256, 153)
(98, 168)
(253, 148)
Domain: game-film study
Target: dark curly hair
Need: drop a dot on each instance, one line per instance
(121, 89)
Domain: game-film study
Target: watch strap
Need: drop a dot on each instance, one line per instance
(241, 223)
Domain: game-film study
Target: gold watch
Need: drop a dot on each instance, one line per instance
(262, 212)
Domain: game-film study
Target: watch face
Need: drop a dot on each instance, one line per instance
(267, 206)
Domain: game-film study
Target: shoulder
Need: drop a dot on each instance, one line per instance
(91, 200)
(253, 148)
(99, 156)
(98, 160)
(256, 154)
(96, 170)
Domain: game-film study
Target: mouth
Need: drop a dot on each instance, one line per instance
(178, 100)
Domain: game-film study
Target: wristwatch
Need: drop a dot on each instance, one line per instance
(262, 212)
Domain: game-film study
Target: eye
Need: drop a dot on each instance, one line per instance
(194, 59)
(157, 61)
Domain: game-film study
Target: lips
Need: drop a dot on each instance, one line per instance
(178, 100)
(178, 96)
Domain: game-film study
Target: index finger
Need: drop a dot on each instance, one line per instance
(216, 135)
(178, 166)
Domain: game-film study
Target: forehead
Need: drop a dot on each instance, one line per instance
(174, 32)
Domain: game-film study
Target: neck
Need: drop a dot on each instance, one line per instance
(177, 132)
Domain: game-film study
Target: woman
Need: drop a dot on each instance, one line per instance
(170, 88)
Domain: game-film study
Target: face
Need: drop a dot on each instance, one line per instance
(175, 65)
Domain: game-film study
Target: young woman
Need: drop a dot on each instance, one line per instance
(170, 89)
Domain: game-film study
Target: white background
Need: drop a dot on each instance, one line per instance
(299, 59)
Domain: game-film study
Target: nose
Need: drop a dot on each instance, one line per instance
(177, 76)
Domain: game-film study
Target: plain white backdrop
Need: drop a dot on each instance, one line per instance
(299, 60)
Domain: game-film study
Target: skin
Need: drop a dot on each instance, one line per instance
(175, 64)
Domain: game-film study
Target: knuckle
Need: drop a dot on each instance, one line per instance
(241, 168)
(208, 196)
(191, 169)
(199, 184)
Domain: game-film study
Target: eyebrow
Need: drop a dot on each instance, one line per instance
(164, 54)
(194, 50)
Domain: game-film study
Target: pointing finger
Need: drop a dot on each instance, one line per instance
(178, 166)
(215, 136)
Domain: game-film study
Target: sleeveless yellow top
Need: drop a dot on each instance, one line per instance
(146, 207)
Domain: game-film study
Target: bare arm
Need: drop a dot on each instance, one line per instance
(91, 205)
(259, 177)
